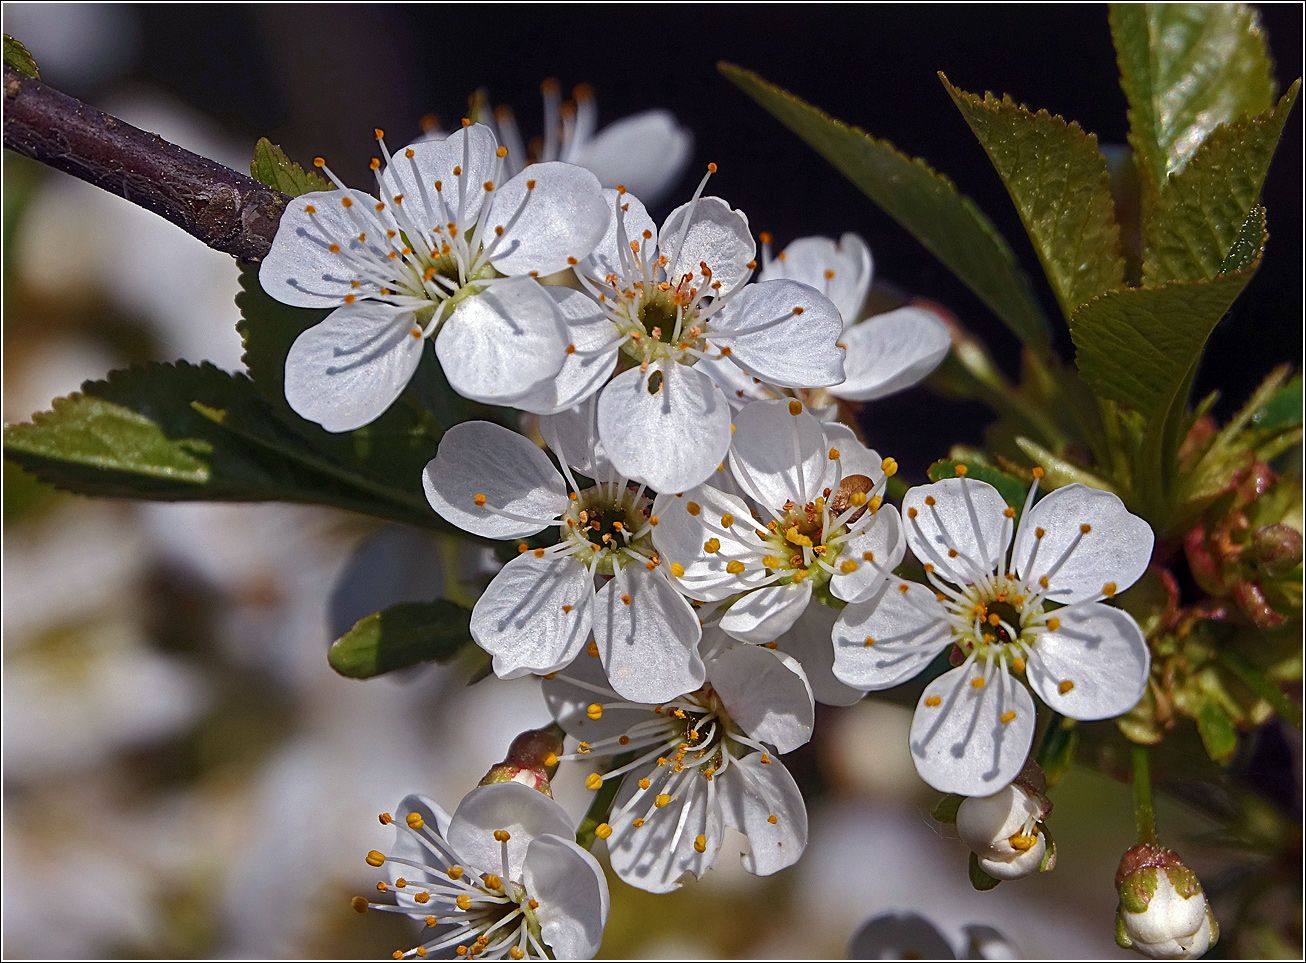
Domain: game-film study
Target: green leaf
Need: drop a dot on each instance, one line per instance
(1011, 489)
(1283, 410)
(1217, 731)
(1202, 209)
(1262, 685)
(272, 167)
(16, 56)
(1058, 180)
(981, 880)
(401, 636)
(945, 810)
(923, 201)
(1187, 68)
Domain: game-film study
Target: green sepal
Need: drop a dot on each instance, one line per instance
(1011, 489)
(945, 810)
(1123, 939)
(1049, 860)
(923, 201)
(16, 56)
(273, 168)
(1058, 750)
(1217, 731)
(979, 879)
(1138, 888)
(401, 636)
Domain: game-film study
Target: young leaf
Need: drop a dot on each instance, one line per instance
(1058, 180)
(16, 56)
(272, 167)
(923, 201)
(1282, 411)
(1011, 489)
(1217, 731)
(1201, 209)
(1187, 68)
(401, 636)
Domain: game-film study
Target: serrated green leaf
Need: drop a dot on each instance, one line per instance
(1010, 488)
(1217, 732)
(1058, 180)
(945, 810)
(1187, 68)
(273, 168)
(16, 56)
(401, 636)
(923, 201)
(1201, 210)
(981, 880)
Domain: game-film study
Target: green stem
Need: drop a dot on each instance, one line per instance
(601, 804)
(1144, 818)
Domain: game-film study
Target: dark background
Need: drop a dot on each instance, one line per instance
(317, 79)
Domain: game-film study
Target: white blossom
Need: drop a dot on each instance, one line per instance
(974, 724)
(1003, 830)
(1163, 911)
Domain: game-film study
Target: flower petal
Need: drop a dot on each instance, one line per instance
(470, 150)
(657, 855)
(854, 457)
(570, 692)
(777, 456)
(524, 813)
(503, 343)
(808, 641)
(766, 694)
(1100, 651)
(718, 236)
(842, 271)
(346, 370)
(591, 354)
(647, 636)
(686, 523)
(573, 434)
(535, 616)
(479, 461)
(900, 936)
(963, 534)
(783, 332)
(889, 638)
(890, 352)
(762, 801)
(572, 892)
(767, 613)
(877, 548)
(668, 427)
(1115, 550)
(628, 222)
(406, 845)
(960, 742)
(646, 152)
(552, 215)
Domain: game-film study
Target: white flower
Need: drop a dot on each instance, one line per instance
(973, 725)
(666, 301)
(1003, 831)
(695, 765)
(1163, 912)
(447, 251)
(821, 527)
(502, 878)
(911, 936)
(538, 613)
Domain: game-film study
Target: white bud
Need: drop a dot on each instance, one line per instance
(1002, 830)
(1164, 914)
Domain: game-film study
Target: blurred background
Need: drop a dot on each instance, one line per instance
(174, 741)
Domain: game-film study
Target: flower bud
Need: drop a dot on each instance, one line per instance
(530, 757)
(1163, 912)
(1003, 830)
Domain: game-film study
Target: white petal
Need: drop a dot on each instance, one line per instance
(656, 856)
(811, 259)
(900, 936)
(765, 614)
(766, 693)
(301, 269)
(777, 456)
(482, 461)
(890, 352)
(961, 744)
(646, 153)
(966, 518)
(1116, 549)
(686, 522)
(627, 223)
(520, 618)
(346, 370)
(573, 434)
(571, 692)
(523, 812)
(552, 215)
(501, 344)
(854, 457)
(406, 845)
(1101, 651)
(809, 642)
(572, 892)
(469, 149)
(753, 793)
(717, 236)
(668, 427)
(783, 332)
(649, 644)
(585, 369)
(905, 631)
(735, 383)
(882, 539)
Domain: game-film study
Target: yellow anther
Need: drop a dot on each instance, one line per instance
(771, 561)
(625, 600)
(1064, 686)
(977, 682)
(333, 248)
(677, 569)
(693, 508)
(848, 567)
(456, 872)
(414, 821)
(430, 921)
(1009, 512)
(479, 500)
(1043, 581)
(1007, 716)
(539, 553)
(727, 520)
(960, 470)
(566, 609)
(712, 545)
(583, 747)
(1109, 589)
(1085, 528)
(422, 898)
(603, 830)
(662, 800)
(653, 520)
(833, 453)
(516, 952)
(1054, 623)
(868, 556)
(319, 162)
(889, 466)
(797, 311)
(533, 903)
(502, 836)
(1037, 472)
(383, 888)
(933, 701)
(359, 904)
(903, 588)
(795, 409)
(595, 711)
(912, 513)
(1022, 843)
(1018, 664)
(397, 954)
(735, 567)
(550, 760)
(492, 881)
(994, 618)
(501, 152)
(952, 553)
(401, 882)
(592, 650)
(593, 781)
(929, 500)
(638, 823)
(869, 642)
(346, 202)
(858, 499)
(464, 902)
(375, 859)
(386, 819)
(700, 844)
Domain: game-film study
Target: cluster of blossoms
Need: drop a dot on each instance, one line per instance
(702, 495)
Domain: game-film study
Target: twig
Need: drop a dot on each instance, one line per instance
(225, 209)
